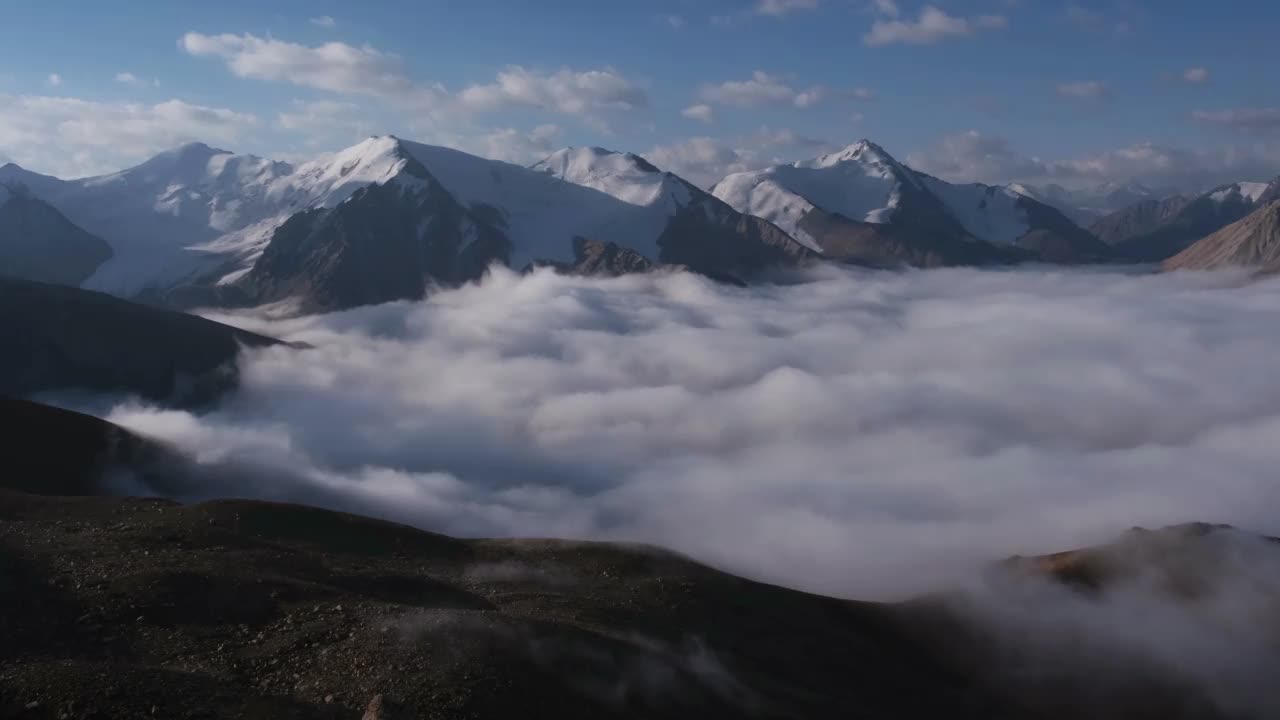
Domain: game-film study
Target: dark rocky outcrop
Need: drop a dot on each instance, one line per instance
(63, 338)
(600, 259)
(387, 242)
(39, 243)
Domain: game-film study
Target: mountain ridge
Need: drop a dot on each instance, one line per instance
(860, 204)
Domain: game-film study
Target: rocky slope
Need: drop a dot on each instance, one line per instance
(63, 338)
(1138, 219)
(1152, 233)
(39, 243)
(124, 608)
(1253, 242)
(862, 205)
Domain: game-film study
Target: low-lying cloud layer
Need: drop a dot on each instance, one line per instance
(870, 434)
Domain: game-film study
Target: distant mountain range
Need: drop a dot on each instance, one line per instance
(1253, 242)
(860, 204)
(389, 219)
(1086, 206)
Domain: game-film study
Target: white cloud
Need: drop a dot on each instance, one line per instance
(886, 7)
(944, 419)
(333, 66)
(589, 94)
(933, 25)
(522, 147)
(700, 160)
(73, 137)
(128, 78)
(1247, 119)
(700, 112)
(1118, 20)
(1196, 75)
(973, 156)
(761, 89)
(337, 67)
(675, 22)
(705, 160)
(778, 8)
(54, 79)
(324, 21)
(1084, 90)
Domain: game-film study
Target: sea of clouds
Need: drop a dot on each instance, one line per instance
(861, 433)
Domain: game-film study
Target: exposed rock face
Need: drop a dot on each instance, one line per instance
(694, 229)
(387, 242)
(1194, 220)
(601, 259)
(61, 338)
(861, 205)
(1253, 242)
(1185, 560)
(38, 243)
(1138, 219)
(147, 608)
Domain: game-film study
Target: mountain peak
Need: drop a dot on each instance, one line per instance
(864, 151)
(579, 164)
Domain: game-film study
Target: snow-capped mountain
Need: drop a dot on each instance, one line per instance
(154, 213)
(861, 204)
(206, 225)
(694, 228)
(1153, 230)
(442, 216)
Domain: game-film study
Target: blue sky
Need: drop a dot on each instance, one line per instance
(1077, 92)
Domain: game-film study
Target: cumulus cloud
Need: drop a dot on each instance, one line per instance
(332, 66)
(1246, 119)
(1118, 20)
(761, 89)
(701, 160)
(932, 25)
(54, 79)
(586, 94)
(886, 7)
(700, 112)
(128, 78)
(73, 137)
(341, 68)
(783, 7)
(844, 431)
(522, 147)
(974, 156)
(705, 160)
